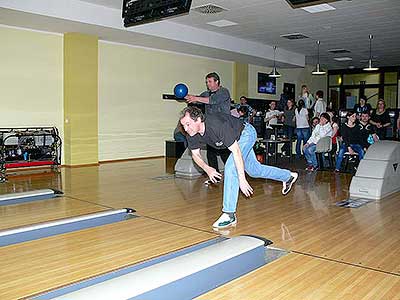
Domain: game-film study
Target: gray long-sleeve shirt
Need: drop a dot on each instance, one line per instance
(220, 101)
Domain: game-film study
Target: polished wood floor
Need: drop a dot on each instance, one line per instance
(45, 210)
(42, 265)
(336, 253)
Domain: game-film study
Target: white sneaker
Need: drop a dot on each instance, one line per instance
(225, 221)
(288, 184)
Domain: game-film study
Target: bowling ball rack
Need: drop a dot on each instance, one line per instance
(29, 147)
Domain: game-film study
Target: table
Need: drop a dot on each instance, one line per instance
(274, 144)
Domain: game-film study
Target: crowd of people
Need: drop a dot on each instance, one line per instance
(309, 119)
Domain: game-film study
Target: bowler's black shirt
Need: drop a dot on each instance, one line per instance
(221, 131)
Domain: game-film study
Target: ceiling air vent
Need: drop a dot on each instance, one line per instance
(209, 9)
(294, 36)
(338, 51)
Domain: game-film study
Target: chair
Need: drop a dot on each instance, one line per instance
(324, 146)
(350, 161)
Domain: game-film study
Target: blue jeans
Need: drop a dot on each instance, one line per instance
(343, 149)
(310, 155)
(303, 134)
(289, 132)
(252, 167)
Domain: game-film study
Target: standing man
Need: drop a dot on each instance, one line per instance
(217, 100)
(225, 131)
(320, 104)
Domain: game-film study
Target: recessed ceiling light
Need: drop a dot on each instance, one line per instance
(222, 23)
(345, 58)
(318, 8)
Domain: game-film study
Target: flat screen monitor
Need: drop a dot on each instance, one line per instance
(266, 84)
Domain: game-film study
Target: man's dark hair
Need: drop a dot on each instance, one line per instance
(326, 116)
(320, 94)
(315, 118)
(215, 76)
(350, 113)
(193, 112)
(243, 109)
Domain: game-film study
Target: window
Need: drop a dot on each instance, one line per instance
(356, 79)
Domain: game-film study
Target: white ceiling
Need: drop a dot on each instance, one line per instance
(346, 27)
(260, 25)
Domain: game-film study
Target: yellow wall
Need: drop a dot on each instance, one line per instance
(298, 76)
(80, 98)
(31, 78)
(134, 121)
(241, 81)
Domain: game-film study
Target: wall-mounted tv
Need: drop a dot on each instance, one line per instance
(266, 84)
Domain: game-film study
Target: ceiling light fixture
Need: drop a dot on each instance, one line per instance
(274, 73)
(318, 8)
(222, 23)
(318, 70)
(370, 67)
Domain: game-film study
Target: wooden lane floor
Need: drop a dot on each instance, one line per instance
(28, 213)
(300, 277)
(306, 220)
(32, 180)
(37, 266)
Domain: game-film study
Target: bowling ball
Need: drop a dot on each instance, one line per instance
(180, 90)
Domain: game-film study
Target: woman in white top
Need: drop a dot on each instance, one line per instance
(323, 129)
(271, 118)
(302, 126)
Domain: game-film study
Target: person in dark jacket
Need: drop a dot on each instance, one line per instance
(380, 119)
(351, 136)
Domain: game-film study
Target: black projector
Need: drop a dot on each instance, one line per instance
(135, 12)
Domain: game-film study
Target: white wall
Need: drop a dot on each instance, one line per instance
(134, 120)
(298, 76)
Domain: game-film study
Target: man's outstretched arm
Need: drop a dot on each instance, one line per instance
(211, 172)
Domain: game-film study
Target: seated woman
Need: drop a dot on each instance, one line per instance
(321, 130)
(380, 119)
(351, 139)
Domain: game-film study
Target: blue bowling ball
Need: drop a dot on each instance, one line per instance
(180, 90)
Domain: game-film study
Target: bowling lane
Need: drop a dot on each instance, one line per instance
(42, 265)
(44, 210)
(299, 277)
